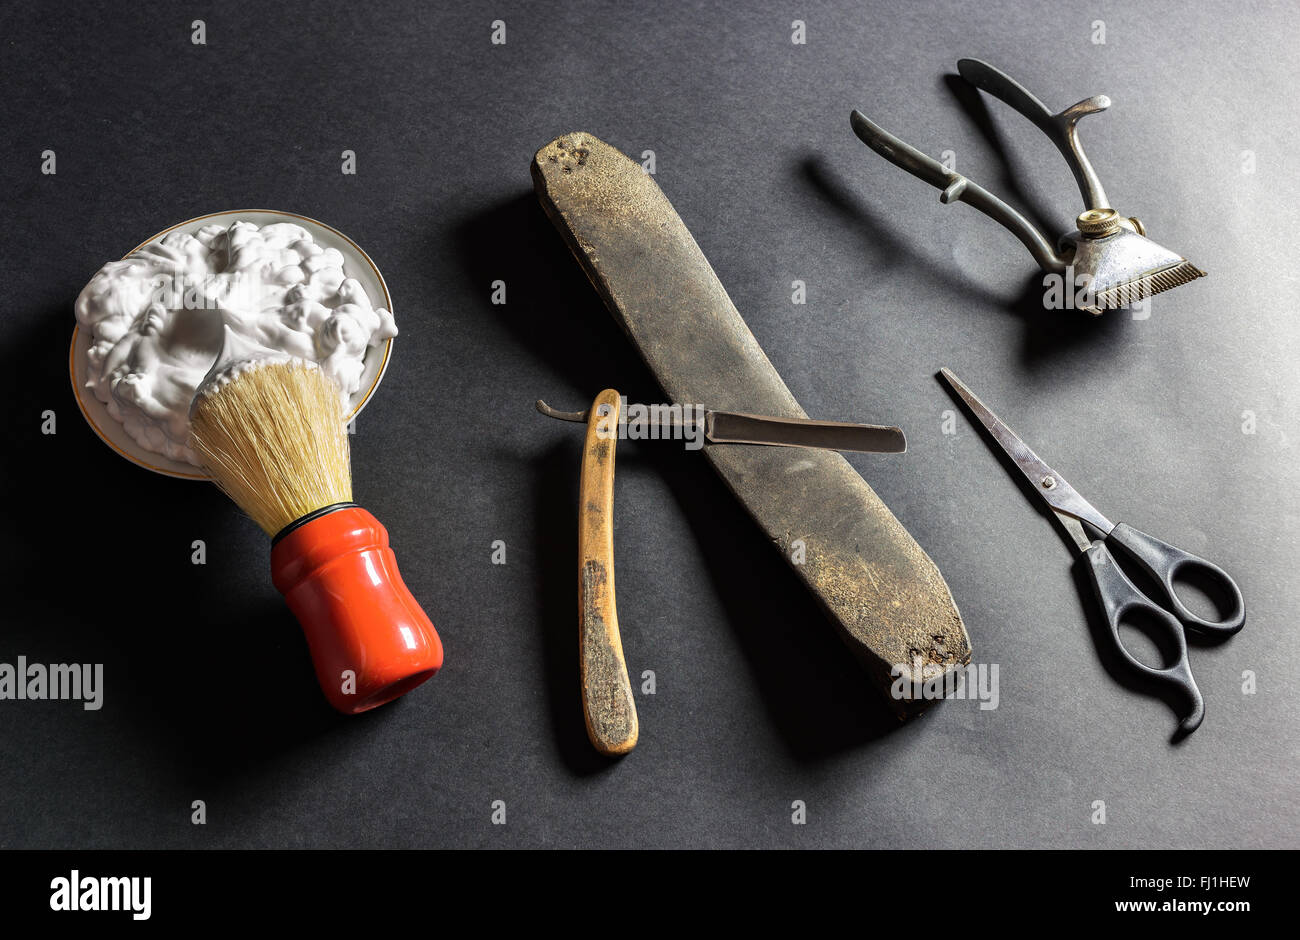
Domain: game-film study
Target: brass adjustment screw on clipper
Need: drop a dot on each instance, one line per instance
(1106, 249)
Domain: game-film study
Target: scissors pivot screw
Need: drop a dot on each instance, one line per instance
(1049, 482)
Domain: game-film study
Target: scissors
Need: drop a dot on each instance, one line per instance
(1119, 597)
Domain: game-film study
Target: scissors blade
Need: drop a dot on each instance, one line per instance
(1051, 487)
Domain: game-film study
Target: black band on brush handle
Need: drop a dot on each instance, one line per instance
(303, 520)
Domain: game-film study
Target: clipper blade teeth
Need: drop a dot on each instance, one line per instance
(1130, 292)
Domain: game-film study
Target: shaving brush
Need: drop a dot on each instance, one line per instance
(271, 434)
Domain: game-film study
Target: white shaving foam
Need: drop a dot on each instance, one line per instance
(160, 318)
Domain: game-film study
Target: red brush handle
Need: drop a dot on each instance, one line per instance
(369, 639)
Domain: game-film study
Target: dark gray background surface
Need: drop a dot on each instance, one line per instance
(209, 693)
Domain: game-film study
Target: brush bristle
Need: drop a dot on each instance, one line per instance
(1130, 292)
(273, 438)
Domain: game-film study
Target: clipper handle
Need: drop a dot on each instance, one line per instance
(370, 641)
(1060, 128)
(956, 188)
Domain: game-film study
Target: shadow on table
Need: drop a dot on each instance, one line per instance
(203, 662)
(815, 693)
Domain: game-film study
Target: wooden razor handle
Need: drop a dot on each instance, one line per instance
(607, 704)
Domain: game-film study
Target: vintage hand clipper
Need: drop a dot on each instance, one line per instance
(1108, 252)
